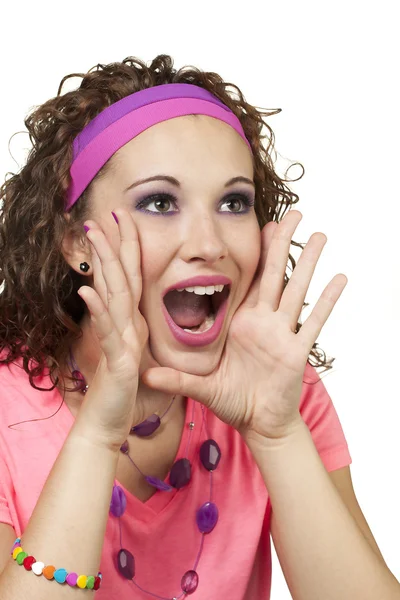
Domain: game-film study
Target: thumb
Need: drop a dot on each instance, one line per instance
(171, 381)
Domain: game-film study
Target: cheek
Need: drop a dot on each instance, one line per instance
(250, 255)
(154, 260)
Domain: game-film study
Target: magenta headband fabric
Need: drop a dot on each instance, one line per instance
(119, 123)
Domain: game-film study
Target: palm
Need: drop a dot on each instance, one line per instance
(256, 358)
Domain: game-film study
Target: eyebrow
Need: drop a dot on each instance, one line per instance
(175, 182)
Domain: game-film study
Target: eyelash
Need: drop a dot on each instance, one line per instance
(248, 203)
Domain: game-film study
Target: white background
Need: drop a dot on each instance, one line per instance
(333, 69)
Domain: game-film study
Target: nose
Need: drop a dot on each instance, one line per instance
(203, 240)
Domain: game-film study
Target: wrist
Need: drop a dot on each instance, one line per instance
(82, 433)
(256, 440)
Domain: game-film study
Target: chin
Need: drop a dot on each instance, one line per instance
(200, 362)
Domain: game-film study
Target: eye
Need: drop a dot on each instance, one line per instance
(162, 203)
(238, 201)
(239, 204)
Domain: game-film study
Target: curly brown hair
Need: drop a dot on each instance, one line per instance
(40, 309)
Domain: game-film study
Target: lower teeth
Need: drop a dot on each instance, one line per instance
(204, 326)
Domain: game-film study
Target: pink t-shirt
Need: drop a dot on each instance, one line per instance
(162, 533)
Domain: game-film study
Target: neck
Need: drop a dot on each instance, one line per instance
(87, 353)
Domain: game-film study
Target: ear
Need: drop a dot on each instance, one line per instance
(75, 249)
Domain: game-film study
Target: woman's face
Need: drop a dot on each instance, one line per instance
(191, 222)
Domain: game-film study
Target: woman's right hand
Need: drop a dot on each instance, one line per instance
(109, 407)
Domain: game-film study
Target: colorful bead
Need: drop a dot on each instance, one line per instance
(16, 551)
(157, 483)
(126, 564)
(28, 562)
(207, 517)
(189, 582)
(97, 583)
(20, 557)
(81, 581)
(118, 501)
(72, 579)
(125, 447)
(210, 454)
(80, 383)
(181, 473)
(60, 575)
(147, 427)
(48, 571)
(37, 568)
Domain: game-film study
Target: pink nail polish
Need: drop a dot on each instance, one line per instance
(86, 228)
(115, 217)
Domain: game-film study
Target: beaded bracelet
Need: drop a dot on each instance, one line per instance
(60, 575)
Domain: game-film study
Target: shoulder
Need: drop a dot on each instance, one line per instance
(20, 401)
(13, 388)
(314, 395)
(319, 414)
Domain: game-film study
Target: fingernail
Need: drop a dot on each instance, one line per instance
(115, 217)
(86, 228)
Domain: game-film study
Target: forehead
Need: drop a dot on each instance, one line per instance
(186, 142)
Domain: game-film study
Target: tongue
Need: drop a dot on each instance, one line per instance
(187, 309)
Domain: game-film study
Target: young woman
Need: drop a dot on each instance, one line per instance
(143, 256)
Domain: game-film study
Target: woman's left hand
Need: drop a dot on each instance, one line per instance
(257, 384)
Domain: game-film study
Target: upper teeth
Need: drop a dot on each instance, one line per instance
(199, 289)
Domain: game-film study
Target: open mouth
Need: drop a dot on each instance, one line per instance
(195, 309)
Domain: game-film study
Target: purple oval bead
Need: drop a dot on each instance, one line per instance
(126, 564)
(80, 384)
(147, 427)
(207, 517)
(125, 447)
(189, 582)
(210, 454)
(118, 501)
(157, 483)
(181, 473)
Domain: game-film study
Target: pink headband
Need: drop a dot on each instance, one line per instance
(119, 123)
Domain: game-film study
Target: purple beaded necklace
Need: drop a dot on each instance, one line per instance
(180, 475)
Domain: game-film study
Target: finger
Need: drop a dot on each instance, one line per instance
(95, 266)
(130, 254)
(266, 238)
(98, 279)
(273, 277)
(107, 334)
(295, 292)
(313, 325)
(119, 299)
(171, 381)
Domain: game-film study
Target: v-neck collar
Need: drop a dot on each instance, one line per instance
(189, 444)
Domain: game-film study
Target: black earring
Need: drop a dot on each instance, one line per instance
(84, 267)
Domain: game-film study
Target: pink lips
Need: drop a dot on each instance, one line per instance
(198, 339)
